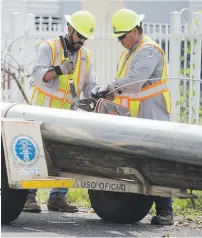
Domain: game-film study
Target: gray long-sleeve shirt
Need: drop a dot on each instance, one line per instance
(146, 64)
(42, 65)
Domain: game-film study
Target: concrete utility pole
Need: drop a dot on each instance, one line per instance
(104, 58)
(103, 10)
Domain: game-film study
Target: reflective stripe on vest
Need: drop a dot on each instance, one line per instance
(132, 100)
(62, 98)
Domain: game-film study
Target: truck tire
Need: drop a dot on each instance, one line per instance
(124, 208)
(12, 200)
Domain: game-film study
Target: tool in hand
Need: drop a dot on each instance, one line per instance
(75, 98)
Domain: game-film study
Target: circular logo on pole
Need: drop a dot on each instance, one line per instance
(25, 150)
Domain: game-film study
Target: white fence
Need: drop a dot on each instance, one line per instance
(182, 42)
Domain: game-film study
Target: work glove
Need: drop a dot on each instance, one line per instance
(65, 68)
(102, 92)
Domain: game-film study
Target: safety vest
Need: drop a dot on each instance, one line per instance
(59, 96)
(133, 100)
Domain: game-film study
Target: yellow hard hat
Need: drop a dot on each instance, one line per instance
(83, 22)
(125, 20)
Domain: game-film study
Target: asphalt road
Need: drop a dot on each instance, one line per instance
(87, 224)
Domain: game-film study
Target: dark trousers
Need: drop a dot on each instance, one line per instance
(163, 205)
(56, 192)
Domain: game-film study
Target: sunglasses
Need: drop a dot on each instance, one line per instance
(78, 34)
(81, 36)
(123, 36)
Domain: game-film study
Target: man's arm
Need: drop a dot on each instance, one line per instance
(142, 67)
(43, 70)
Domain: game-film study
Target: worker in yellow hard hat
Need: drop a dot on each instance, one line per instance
(52, 73)
(141, 61)
(142, 76)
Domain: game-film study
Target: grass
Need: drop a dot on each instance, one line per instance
(79, 197)
(200, 120)
(182, 207)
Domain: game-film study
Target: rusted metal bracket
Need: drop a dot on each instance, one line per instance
(135, 174)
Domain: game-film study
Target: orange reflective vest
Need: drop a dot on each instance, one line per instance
(59, 96)
(133, 100)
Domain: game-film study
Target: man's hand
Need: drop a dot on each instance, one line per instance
(102, 92)
(67, 67)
